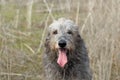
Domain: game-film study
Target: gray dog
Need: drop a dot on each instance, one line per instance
(65, 56)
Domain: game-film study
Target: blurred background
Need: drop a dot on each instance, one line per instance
(23, 25)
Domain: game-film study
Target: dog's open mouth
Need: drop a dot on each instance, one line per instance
(62, 57)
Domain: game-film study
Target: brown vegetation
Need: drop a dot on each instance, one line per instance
(23, 27)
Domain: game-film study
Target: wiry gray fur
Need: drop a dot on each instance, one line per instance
(77, 67)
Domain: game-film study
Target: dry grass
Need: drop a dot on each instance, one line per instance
(23, 27)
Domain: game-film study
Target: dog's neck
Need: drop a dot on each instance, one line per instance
(75, 60)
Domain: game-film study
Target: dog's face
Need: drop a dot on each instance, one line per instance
(62, 35)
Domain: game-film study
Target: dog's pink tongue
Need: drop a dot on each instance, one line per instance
(62, 58)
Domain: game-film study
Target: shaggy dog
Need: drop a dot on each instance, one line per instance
(65, 56)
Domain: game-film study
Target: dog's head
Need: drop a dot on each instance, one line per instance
(61, 39)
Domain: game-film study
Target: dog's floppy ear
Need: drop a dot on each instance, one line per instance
(77, 31)
(48, 36)
(78, 35)
(47, 39)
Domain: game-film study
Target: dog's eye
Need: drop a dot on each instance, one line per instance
(55, 32)
(69, 32)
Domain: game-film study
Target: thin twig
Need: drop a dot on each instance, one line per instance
(77, 13)
(49, 9)
(91, 6)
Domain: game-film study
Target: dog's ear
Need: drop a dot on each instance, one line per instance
(77, 32)
(47, 39)
(48, 36)
(78, 35)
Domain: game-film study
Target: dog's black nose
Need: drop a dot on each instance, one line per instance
(62, 43)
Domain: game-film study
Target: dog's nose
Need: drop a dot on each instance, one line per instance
(62, 43)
